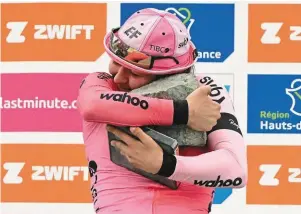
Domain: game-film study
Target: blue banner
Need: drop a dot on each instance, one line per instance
(211, 26)
(274, 104)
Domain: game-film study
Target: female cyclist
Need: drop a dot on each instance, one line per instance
(149, 44)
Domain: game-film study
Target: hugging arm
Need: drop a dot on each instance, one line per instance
(100, 101)
(225, 161)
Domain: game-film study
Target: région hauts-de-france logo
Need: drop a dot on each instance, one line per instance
(274, 104)
(295, 93)
(181, 15)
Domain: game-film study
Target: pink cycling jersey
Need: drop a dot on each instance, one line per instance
(222, 163)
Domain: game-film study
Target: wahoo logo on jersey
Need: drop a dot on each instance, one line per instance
(219, 183)
(135, 101)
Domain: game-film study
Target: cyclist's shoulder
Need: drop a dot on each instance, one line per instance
(99, 75)
(98, 78)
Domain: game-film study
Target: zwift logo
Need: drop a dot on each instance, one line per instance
(295, 93)
(135, 101)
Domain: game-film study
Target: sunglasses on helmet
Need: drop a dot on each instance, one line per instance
(131, 55)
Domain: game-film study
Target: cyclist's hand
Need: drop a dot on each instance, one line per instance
(203, 111)
(144, 154)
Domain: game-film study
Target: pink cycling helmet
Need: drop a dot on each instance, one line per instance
(152, 41)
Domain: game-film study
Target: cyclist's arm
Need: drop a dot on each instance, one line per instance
(226, 159)
(100, 101)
